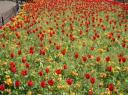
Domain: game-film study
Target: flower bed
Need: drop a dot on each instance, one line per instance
(65, 48)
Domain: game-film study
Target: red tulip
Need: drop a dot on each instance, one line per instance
(69, 81)
(92, 48)
(90, 56)
(113, 39)
(31, 50)
(87, 23)
(84, 58)
(107, 59)
(18, 44)
(109, 68)
(58, 71)
(124, 45)
(94, 37)
(12, 55)
(19, 52)
(81, 32)
(30, 83)
(122, 59)
(3, 45)
(51, 82)
(110, 35)
(2, 87)
(92, 80)
(72, 37)
(65, 66)
(43, 84)
(97, 35)
(58, 47)
(24, 72)
(104, 28)
(98, 59)
(118, 36)
(63, 31)
(17, 83)
(100, 20)
(51, 34)
(17, 35)
(0, 27)
(87, 30)
(12, 64)
(90, 92)
(41, 44)
(87, 76)
(47, 70)
(13, 69)
(40, 73)
(76, 55)
(24, 59)
(111, 86)
(63, 51)
(42, 52)
(27, 65)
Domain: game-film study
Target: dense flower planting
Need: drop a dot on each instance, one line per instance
(68, 47)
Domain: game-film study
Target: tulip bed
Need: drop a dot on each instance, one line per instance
(65, 48)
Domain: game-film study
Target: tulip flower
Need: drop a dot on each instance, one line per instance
(69, 81)
(30, 83)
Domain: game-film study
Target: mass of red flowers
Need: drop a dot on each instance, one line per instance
(65, 47)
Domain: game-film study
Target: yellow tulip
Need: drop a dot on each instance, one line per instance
(74, 73)
(46, 48)
(118, 83)
(37, 60)
(118, 68)
(8, 81)
(60, 55)
(8, 91)
(29, 93)
(59, 79)
(100, 50)
(61, 87)
(72, 93)
(121, 94)
(4, 63)
(103, 75)
(49, 59)
(102, 93)
(108, 92)
(101, 84)
(7, 76)
(78, 85)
